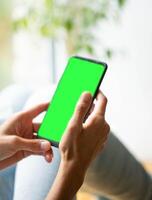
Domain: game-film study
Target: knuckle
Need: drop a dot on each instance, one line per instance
(62, 147)
(105, 132)
(107, 128)
(96, 122)
(101, 118)
(98, 119)
(105, 138)
(104, 100)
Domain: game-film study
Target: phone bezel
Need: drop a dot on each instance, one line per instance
(56, 144)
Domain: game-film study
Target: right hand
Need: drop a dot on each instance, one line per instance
(79, 145)
(82, 141)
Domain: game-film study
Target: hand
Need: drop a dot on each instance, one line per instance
(82, 141)
(79, 145)
(17, 139)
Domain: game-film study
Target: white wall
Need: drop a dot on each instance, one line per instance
(128, 83)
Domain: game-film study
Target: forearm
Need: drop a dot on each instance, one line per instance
(68, 181)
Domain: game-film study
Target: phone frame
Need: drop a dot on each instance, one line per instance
(54, 143)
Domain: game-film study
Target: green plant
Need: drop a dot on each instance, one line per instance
(71, 20)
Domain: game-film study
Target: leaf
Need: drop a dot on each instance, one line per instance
(90, 49)
(77, 19)
(20, 24)
(68, 25)
(109, 53)
(121, 3)
(44, 31)
(48, 3)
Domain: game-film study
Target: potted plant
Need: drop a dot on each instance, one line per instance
(71, 21)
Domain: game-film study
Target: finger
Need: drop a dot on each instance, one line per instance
(16, 158)
(90, 111)
(103, 144)
(34, 136)
(82, 107)
(29, 153)
(92, 108)
(36, 127)
(10, 161)
(33, 112)
(33, 145)
(48, 156)
(100, 106)
(104, 135)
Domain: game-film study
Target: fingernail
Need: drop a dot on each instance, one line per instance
(49, 158)
(45, 146)
(87, 95)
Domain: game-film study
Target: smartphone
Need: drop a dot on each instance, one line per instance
(81, 74)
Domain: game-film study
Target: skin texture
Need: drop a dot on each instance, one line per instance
(80, 144)
(17, 139)
(83, 139)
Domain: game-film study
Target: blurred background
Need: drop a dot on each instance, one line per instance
(38, 36)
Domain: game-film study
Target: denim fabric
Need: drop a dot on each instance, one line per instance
(115, 173)
(7, 177)
(12, 99)
(118, 175)
(34, 177)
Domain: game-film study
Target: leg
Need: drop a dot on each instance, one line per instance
(118, 175)
(7, 183)
(34, 177)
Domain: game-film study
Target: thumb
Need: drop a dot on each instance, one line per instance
(33, 145)
(82, 107)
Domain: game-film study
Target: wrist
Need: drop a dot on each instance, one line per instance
(73, 169)
(72, 176)
(68, 181)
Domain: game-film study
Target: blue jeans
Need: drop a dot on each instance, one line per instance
(115, 174)
(7, 180)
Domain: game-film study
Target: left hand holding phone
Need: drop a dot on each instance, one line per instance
(17, 139)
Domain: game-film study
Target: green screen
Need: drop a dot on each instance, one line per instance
(80, 75)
